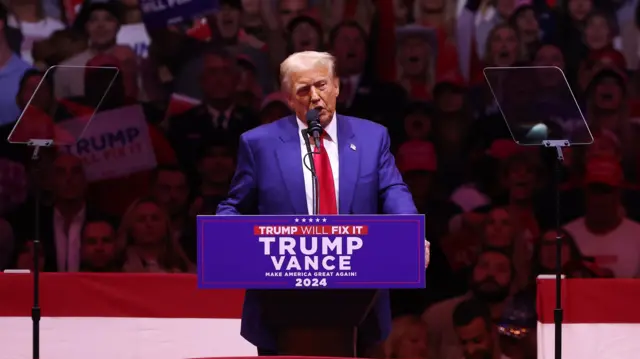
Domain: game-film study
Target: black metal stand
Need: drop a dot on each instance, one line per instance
(312, 168)
(558, 312)
(35, 310)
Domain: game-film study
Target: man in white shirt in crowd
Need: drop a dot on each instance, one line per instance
(491, 283)
(605, 233)
(476, 331)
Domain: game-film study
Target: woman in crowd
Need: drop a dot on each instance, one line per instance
(408, 339)
(145, 233)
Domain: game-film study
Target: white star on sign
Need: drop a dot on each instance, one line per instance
(317, 220)
(304, 220)
(324, 220)
(297, 220)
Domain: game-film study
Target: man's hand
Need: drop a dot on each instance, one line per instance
(427, 253)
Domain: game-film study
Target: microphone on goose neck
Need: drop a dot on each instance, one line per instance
(314, 126)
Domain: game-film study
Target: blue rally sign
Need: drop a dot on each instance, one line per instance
(161, 13)
(288, 252)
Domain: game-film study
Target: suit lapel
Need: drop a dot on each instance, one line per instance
(290, 163)
(349, 164)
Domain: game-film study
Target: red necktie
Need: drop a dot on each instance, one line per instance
(326, 187)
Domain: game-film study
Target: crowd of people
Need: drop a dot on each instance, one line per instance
(145, 123)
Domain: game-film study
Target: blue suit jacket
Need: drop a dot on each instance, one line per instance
(269, 180)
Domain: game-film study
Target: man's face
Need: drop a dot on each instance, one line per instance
(579, 9)
(505, 7)
(521, 181)
(102, 28)
(350, 51)
(549, 55)
(172, 191)
(69, 181)
(218, 167)
(289, 9)
(305, 38)
(219, 78)
(228, 19)
(491, 277)
(528, 26)
(98, 244)
(314, 88)
(597, 33)
(499, 230)
(476, 340)
(504, 47)
(251, 7)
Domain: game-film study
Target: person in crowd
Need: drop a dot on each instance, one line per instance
(170, 189)
(416, 58)
(549, 55)
(215, 168)
(11, 70)
(24, 257)
(64, 44)
(572, 262)
(476, 331)
(502, 232)
(491, 282)
(132, 32)
(524, 19)
(145, 236)
(60, 223)
(248, 92)
(408, 339)
(521, 179)
(218, 118)
(100, 21)
(605, 233)
(30, 18)
(274, 107)
(503, 47)
(362, 94)
(304, 33)
(98, 247)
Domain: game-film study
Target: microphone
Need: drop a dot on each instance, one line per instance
(314, 127)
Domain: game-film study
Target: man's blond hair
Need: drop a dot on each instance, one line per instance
(303, 61)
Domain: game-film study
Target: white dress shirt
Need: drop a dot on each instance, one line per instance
(215, 114)
(330, 143)
(68, 243)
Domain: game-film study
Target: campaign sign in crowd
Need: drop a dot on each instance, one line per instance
(284, 252)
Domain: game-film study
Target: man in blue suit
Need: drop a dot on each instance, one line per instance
(355, 169)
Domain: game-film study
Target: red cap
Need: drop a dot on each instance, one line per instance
(417, 155)
(605, 170)
(609, 58)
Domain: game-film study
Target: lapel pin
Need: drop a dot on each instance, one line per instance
(352, 146)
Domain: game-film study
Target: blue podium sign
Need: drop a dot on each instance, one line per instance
(311, 252)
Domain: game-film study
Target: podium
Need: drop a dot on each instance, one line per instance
(316, 285)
